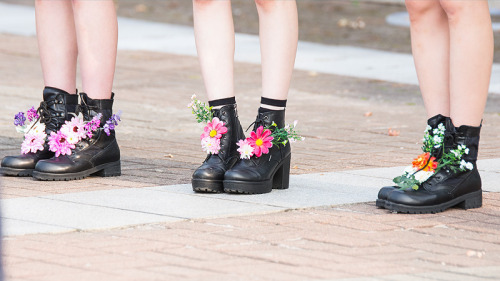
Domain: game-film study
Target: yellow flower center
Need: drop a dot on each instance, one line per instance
(213, 133)
(258, 142)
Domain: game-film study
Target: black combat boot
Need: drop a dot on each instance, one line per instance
(98, 155)
(210, 175)
(447, 187)
(261, 174)
(432, 123)
(54, 110)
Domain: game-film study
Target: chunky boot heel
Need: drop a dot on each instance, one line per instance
(110, 170)
(475, 201)
(261, 174)
(99, 154)
(282, 177)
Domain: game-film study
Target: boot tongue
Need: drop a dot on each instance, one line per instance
(436, 120)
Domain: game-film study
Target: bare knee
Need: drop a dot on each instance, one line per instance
(417, 9)
(203, 3)
(454, 9)
(267, 5)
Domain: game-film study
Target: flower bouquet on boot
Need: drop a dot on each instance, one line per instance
(220, 135)
(57, 107)
(434, 184)
(265, 155)
(84, 147)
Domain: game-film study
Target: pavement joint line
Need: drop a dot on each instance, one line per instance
(109, 207)
(141, 206)
(179, 40)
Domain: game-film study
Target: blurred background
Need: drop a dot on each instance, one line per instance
(362, 23)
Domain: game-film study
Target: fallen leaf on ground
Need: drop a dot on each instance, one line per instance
(393, 133)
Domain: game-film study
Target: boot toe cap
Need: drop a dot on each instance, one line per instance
(18, 162)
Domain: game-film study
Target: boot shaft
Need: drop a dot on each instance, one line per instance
(229, 115)
(92, 107)
(266, 118)
(57, 107)
(463, 135)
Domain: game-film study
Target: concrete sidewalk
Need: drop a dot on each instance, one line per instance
(149, 225)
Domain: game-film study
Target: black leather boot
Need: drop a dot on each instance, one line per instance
(210, 175)
(261, 174)
(446, 188)
(433, 123)
(99, 155)
(54, 110)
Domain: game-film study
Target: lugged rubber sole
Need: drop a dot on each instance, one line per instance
(105, 170)
(380, 203)
(207, 186)
(468, 201)
(16, 172)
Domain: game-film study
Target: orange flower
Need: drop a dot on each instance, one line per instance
(422, 162)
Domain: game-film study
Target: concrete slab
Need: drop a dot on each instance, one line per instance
(176, 39)
(133, 206)
(53, 215)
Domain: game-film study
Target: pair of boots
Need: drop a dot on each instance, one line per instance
(447, 187)
(99, 154)
(226, 172)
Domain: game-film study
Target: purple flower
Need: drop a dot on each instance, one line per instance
(93, 125)
(19, 119)
(112, 123)
(32, 115)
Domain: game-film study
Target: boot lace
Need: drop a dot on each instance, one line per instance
(48, 116)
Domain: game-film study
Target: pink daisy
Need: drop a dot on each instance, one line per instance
(33, 142)
(214, 129)
(59, 144)
(210, 145)
(260, 141)
(74, 130)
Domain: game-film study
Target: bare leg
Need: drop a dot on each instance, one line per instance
(97, 33)
(471, 58)
(57, 43)
(214, 34)
(430, 42)
(278, 40)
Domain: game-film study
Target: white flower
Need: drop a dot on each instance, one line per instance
(441, 127)
(193, 97)
(456, 153)
(295, 123)
(38, 129)
(437, 139)
(469, 166)
(422, 176)
(428, 128)
(72, 138)
(466, 151)
(210, 145)
(410, 170)
(245, 150)
(466, 165)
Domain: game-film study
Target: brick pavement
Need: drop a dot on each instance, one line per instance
(332, 242)
(349, 241)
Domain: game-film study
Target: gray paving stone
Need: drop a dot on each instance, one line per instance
(53, 215)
